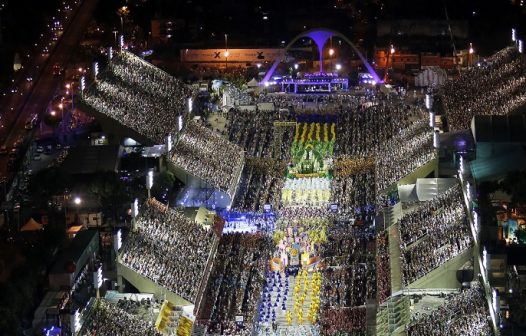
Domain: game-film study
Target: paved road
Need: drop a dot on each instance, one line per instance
(45, 86)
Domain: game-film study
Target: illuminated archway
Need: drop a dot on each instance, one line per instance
(320, 36)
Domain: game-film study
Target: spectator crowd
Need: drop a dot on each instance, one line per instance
(107, 319)
(383, 267)
(169, 249)
(462, 314)
(236, 282)
(432, 233)
(208, 156)
(350, 278)
(139, 96)
(260, 185)
(380, 138)
(496, 86)
(364, 129)
(410, 149)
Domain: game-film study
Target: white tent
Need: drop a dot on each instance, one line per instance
(32, 225)
(253, 83)
(431, 77)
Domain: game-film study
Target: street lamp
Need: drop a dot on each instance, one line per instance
(77, 201)
(122, 13)
(115, 31)
(338, 67)
(390, 52)
(471, 51)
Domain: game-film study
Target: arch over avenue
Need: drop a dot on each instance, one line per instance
(320, 36)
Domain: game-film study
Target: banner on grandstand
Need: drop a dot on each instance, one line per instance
(234, 55)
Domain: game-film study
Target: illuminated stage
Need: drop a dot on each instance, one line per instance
(210, 198)
(320, 82)
(248, 221)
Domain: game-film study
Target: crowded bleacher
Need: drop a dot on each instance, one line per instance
(208, 156)
(344, 321)
(365, 128)
(261, 183)
(496, 86)
(355, 195)
(107, 319)
(251, 131)
(236, 282)
(410, 149)
(350, 279)
(462, 314)
(139, 96)
(383, 268)
(432, 233)
(169, 249)
(379, 138)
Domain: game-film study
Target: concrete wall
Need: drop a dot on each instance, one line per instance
(423, 171)
(146, 285)
(185, 177)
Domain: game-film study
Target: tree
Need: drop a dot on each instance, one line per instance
(9, 323)
(488, 187)
(515, 184)
(109, 190)
(521, 235)
(46, 183)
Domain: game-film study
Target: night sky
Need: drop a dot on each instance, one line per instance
(207, 21)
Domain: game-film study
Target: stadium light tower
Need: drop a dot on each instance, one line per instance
(226, 51)
(390, 52)
(149, 182)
